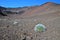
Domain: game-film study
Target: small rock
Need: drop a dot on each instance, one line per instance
(31, 38)
(15, 22)
(30, 33)
(28, 37)
(24, 38)
(21, 29)
(24, 33)
(39, 39)
(7, 26)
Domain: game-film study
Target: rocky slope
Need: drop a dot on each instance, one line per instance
(20, 25)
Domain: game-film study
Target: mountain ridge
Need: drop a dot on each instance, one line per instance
(33, 6)
(32, 9)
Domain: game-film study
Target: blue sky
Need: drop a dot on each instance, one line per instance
(22, 3)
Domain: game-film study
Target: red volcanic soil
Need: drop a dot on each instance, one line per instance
(49, 6)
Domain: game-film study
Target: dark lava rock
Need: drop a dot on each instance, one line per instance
(24, 38)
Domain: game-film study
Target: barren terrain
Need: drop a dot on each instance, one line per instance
(21, 26)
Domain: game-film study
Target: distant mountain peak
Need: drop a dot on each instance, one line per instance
(49, 4)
